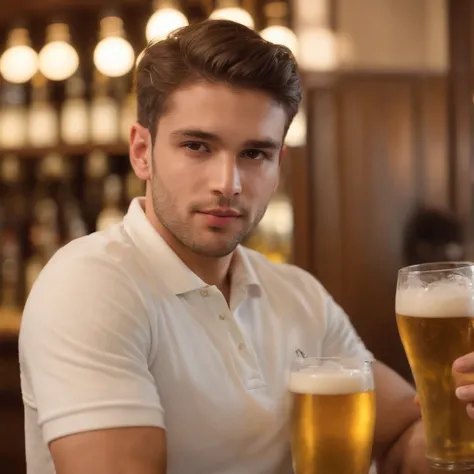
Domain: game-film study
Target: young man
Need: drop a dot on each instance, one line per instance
(162, 345)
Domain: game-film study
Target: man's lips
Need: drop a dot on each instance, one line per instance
(220, 217)
(229, 213)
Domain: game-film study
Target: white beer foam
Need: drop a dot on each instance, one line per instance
(341, 382)
(446, 299)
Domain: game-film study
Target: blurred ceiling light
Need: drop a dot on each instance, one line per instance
(277, 30)
(230, 10)
(296, 135)
(58, 60)
(167, 18)
(113, 55)
(19, 62)
(318, 49)
(281, 35)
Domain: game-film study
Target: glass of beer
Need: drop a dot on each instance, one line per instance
(435, 317)
(333, 415)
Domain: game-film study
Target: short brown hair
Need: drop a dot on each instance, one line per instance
(216, 51)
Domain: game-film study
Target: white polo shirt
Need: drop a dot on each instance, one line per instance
(117, 332)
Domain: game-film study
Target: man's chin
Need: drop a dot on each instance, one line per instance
(216, 249)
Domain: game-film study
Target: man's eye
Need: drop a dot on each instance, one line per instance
(254, 154)
(196, 146)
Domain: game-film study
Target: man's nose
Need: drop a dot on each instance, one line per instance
(226, 177)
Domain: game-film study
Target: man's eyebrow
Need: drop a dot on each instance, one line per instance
(195, 133)
(266, 143)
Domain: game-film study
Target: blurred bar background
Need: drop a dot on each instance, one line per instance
(385, 130)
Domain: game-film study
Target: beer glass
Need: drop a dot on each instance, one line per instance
(435, 318)
(333, 415)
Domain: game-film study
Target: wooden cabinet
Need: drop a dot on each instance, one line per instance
(379, 148)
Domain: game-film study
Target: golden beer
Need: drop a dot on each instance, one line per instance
(436, 326)
(332, 422)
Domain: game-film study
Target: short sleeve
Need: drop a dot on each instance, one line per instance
(84, 346)
(340, 337)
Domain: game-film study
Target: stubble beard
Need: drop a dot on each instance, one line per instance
(166, 211)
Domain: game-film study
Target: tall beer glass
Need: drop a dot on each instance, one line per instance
(435, 317)
(333, 416)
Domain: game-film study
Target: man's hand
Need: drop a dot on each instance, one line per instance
(463, 372)
(408, 455)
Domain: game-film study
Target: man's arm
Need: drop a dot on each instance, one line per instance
(397, 418)
(111, 451)
(85, 347)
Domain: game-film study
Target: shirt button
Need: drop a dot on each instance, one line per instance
(204, 293)
(221, 317)
(242, 346)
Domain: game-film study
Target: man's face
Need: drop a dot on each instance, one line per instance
(215, 165)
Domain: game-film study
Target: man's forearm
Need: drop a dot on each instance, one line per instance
(394, 458)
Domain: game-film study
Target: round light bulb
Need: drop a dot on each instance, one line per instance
(163, 22)
(19, 64)
(318, 49)
(239, 15)
(114, 56)
(281, 35)
(58, 60)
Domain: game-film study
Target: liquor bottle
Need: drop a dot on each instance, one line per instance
(112, 212)
(96, 169)
(71, 217)
(13, 116)
(10, 270)
(45, 229)
(75, 113)
(104, 111)
(13, 224)
(43, 122)
(44, 238)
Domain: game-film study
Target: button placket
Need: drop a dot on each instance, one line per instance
(243, 354)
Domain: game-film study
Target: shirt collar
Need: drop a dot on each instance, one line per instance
(169, 267)
(243, 273)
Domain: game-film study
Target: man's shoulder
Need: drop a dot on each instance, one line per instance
(104, 253)
(286, 273)
(88, 273)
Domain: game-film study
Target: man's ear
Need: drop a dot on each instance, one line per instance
(140, 151)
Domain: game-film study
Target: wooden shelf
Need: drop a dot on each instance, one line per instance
(9, 11)
(67, 150)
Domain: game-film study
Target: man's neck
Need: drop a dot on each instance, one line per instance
(213, 271)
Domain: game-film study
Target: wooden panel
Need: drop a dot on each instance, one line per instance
(296, 174)
(324, 197)
(460, 90)
(434, 156)
(378, 151)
